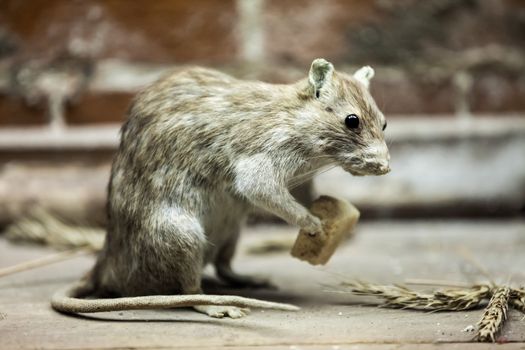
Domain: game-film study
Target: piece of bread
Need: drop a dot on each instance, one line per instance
(338, 218)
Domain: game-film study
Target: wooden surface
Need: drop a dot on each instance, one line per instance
(381, 252)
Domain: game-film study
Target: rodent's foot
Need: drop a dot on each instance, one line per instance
(312, 225)
(222, 311)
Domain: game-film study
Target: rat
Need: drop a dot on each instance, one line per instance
(198, 151)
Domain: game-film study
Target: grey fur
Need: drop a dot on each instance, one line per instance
(199, 150)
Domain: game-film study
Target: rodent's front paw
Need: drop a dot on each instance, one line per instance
(312, 225)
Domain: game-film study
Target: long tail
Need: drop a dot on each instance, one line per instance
(64, 301)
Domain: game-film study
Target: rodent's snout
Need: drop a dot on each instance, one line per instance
(375, 160)
(376, 167)
(382, 168)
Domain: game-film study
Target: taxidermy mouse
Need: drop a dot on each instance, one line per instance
(198, 151)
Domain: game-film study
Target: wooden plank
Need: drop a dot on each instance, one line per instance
(382, 252)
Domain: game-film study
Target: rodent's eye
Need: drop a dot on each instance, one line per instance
(352, 121)
(384, 126)
(329, 109)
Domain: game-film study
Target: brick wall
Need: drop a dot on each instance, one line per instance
(432, 57)
(66, 63)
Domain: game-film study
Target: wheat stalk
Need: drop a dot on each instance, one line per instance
(396, 296)
(46, 260)
(40, 226)
(495, 315)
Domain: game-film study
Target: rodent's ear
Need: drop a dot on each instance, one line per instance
(364, 75)
(321, 72)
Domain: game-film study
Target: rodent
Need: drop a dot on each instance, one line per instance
(198, 151)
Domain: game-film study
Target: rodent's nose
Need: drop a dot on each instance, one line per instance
(378, 157)
(384, 168)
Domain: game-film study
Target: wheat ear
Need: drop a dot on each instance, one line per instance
(518, 299)
(494, 316)
(395, 296)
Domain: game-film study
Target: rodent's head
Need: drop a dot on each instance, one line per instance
(349, 127)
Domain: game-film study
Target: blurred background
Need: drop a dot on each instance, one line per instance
(450, 77)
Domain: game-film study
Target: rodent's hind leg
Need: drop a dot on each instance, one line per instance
(217, 311)
(226, 273)
(222, 311)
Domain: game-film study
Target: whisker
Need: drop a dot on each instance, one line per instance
(303, 177)
(327, 169)
(300, 179)
(297, 181)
